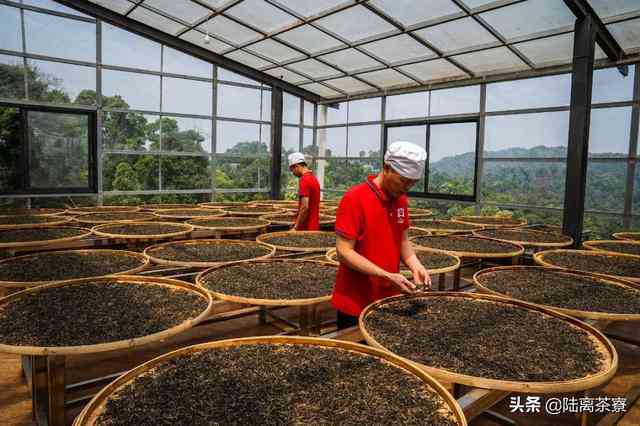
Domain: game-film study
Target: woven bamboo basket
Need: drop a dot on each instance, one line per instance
(100, 218)
(491, 221)
(527, 243)
(83, 233)
(31, 212)
(111, 346)
(539, 258)
(102, 209)
(222, 204)
(440, 227)
(603, 345)
(631, 236)
(263, 302)
(417, 232)
(264, 238)
(48, 221)
(590, 315)
(251, 211)
(517, 249)
(152, 207)
(415, 213)
(141, 259)
(187, 214)
(596, 245)
(289, 219)
(94, 409)
(204, 223)
(148, 252)
(104, 231)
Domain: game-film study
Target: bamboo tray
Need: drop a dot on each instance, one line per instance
(263, 302)
(282, 219)
(453, 229)
(103, 209)
(31, 212)
(247, 211)
(103, 231)
(21, 284)
(181, 214)
(586, 315)
(199, 224)
(564, 386)
(539, 258)
(169, 262)
(95, 218)
(40, 243)
(415, 213)
(517, 249)
(486, 234)
(152, 207)
(264, 238)
(111, 346)
(221, 204)
(595, 245)
(94, 409)
(490, 221)
(631, 236)
(51, 221)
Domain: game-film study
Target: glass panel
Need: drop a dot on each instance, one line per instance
(354, 172)
(248, 59)
(229, 30)
(138, 91)
(131, 172)
(286, 75)
(314, 69)
(406, 12)
(309, 8)
(530, 93)
(61, 83)
(274, 50)
(364, 141)
(636, 196)
(600, 227)
(262, 15)
(240, 139)
(536, 184)
(328, 115)
(266, 105)
(155, 20)
(552, 50)
(608, 8)
(186, 96)
(611, 86)
(131, 131)
(307, 143)
(310, 39)
(452, 165)
(351, 60)
(226, 75)
(433, 70)
(332, 142)
(11, 29)
(185, 173)
(185, 10)
(349, 85)
(387, 78)
(238, 102)
(176, 62)
(609, 132)
(355, 24)
(409, 105)
(58, 150)
(11, 77)
(52, 5)
(460, 100)
(186, 134)
(365, 110)
(527, 135)
(291, 109)
(321, 90)
(60, 37)
(243, 172)
(627, 34)
(10, 149)
(213, 44)
(399, 49)
(606, 183)
(460, 34)
(491, 60)
(290, 140)
(125, 49)
(308, 113)
(119, 6)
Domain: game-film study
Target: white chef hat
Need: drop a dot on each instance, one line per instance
(407, 159)
(296, 158)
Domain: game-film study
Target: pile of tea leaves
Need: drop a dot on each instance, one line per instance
(144, 228)
(276, 385)
(302, 239)
(262, 210)
(522, 235)
(39, 234)
(188, 213)
(66, 265)
(93, 313)
(443, 225)
(208, 251)
(551, 229)
(414, 232)
(592, 261)
(29, 220)
(98, 218)
(289, 218)
(465, 244)
(432, 260)
(547, 286)
(30, 212)
(273, 280)
(169, 206)
(227, 222)
(484, 339)
(490, 220)
(624, 247)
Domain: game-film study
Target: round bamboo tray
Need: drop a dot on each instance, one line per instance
(539, 258)
(595, 245)
(604, 346)
(184, 213)
(96, 406)
(332, 203)
(223, 231)
(169, 262)
(417, 232)
(631, 236)
(329, 211)
(95, 218)
(264, 238)
(435, 230)
(221, 204)
(590, 315)
(263, 302)
(38, 243)
(50, 221)
(103, 209)
(415, 213)
(103, 231)
(111, 346)
(289, 219)
(247, 211)
(276, 203)
(23, 284)
(332, 256)
(152, 207)
(490, 221)
(517, 249)
(31, 212)
(534, 244)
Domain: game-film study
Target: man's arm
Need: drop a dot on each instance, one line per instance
(303, 212)
(409, 258)
(354, 260)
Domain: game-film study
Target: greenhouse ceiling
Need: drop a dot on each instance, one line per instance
(339, 49)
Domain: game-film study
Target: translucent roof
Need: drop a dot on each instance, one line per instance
(339, 48)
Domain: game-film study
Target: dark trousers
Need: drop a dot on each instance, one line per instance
(346, 321)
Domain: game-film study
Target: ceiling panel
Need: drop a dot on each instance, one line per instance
(412, 12)
(118, 6)
(387, 78)
(274, 50)
(436, 69)
(355, 24)
(550, 51)
(287, 75)
(184, 10)
(310, 39)
(155, 20)
(609, 8)
(213, 45)
(498, 59)
(248, 59)
(229, 30)
(315, 69)
(349, 85)
(627, 34)
(454, 36)
(310, 8)
(261, 15)
(321, 90)
(400, 48)
(351, 60)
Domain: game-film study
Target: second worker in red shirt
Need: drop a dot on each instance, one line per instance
(308, 218)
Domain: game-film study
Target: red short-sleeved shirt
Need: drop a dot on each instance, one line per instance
(377, 224)
(309, 187)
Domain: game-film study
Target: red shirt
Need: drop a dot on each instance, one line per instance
(377, 224)
(309, 187)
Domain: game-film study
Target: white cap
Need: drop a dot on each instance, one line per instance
(407, 159)
(296, 158)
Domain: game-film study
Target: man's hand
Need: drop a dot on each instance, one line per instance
(402, 283)
(421, 277)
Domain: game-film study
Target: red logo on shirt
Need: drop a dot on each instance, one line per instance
(400, 215)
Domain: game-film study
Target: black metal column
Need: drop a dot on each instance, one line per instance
(276, 141)
(579, 121)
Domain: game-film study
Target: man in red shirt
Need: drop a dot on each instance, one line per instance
(308, 218)
(372, 236)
